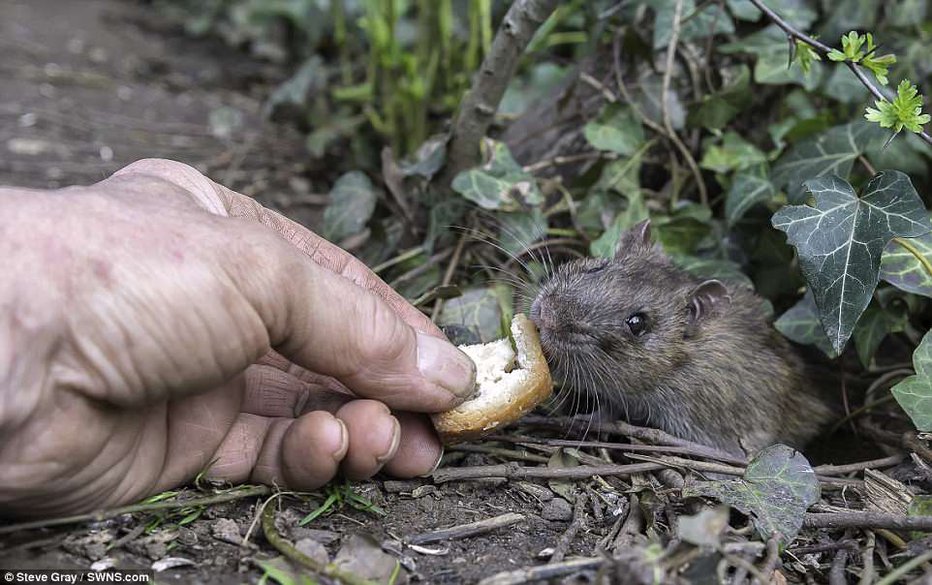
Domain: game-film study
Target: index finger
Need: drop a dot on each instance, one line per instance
(328, 255)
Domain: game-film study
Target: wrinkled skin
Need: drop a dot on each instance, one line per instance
(156, 325)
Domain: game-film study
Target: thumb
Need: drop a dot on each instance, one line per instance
(326, 323)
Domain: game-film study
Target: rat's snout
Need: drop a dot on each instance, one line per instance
(542, 314)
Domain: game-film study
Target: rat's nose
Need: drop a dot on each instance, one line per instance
(542, 314)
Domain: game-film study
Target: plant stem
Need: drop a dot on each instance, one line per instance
(904, 242)
(480, 103)
(824, 49)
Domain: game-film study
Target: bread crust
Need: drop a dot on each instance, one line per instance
(465, 422)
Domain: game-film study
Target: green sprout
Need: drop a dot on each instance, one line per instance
(806, 56)
(904, 112)
(860, 49)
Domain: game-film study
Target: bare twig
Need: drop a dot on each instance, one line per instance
(824, 49)
(836, 575)
(479, 105)
(566, 539)
(537, 574)
(867, 560)
(628, 447)
(901, 571)
(514, 471)
(860, 466)
(448, 275)
(466, 530)
(867, 520)
(293, 554)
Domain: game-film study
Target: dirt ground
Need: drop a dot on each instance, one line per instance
(87, 87)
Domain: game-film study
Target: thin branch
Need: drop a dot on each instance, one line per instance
(867, 520)
(477, 110)
(514, 471)
(824, 49)
(467, 530)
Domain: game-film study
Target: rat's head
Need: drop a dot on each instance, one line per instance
(622, 323)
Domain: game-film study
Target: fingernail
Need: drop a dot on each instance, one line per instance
(436, 464)
(340, 453)
(396, 439)
(441, 363)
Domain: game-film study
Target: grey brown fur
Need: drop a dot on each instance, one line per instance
(708, 367)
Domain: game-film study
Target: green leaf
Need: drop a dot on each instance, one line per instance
(773, 58)
(840, 240)
(684, 230)
(915, 393)
(710, 20)
(622, 175)
(907, 264)
(872, 328)
(717, 109)
(749, 188)
(777, 488)
(724, 270)
(518, 230)
(500, 183)
(604, 246)
(352, 201)
(904, 112)
(617, 129)
(806, 56)
(480, 310)
(830, 153)
(801, 324)
(734, 154)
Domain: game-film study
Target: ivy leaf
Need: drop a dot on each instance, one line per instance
(872, 328)
(708, 20)
(840, 240)
(617, 129)
(500, 183)
(801, 324)
(705, 268)
(773, 54)
(519, 229)
(481, 311)
(735, 153)
(830, 153)
(777, 488)
(604, 246)
(904, 112)
(749, 188)
(907, 264)
(352, 201)
(684, 229)
(717, 109)
(915, 393)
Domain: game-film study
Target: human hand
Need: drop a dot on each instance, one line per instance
(137, 322)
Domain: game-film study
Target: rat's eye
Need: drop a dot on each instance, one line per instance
(637, 324)
(595, 269)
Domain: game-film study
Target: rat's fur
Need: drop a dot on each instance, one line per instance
(709, 368)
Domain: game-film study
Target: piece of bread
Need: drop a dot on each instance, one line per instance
(509, 383)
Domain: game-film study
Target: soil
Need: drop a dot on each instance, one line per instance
(89, 86)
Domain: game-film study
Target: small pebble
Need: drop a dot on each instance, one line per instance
(557, 509)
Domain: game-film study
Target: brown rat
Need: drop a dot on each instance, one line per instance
(648, 342)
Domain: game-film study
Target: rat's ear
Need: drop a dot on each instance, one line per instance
(634, 239)
(702, 301)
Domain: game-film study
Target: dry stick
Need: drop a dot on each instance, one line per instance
(911, 442)
(535, 574)
(827, 547)
(860, 466)
(499, 452)
(867, 520)
(515, 471)
(643, 433)
(836, 575)
(477, 111)
(773, 557)
(867, 559)
(293, 554)
(466, 530)
(627, 447)
(153, 507)
(566, 539)
(664, 112)
(905, 568)
(825, 49)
